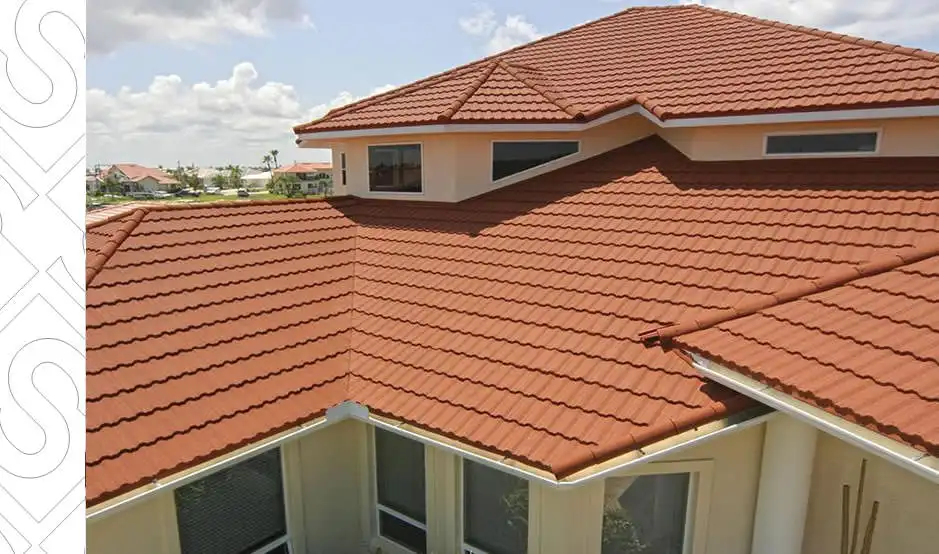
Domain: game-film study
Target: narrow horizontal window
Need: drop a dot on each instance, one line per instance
(402, 502)
(645, 514)
(239, 509)
(509, 158)
(395, 168)
(495, 511)
(829, 143)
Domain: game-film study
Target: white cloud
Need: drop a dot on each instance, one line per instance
(514, 31)
(112, 23)
(903, 21)
(234, 120)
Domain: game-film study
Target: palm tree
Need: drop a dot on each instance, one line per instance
(234, 176)
(274, 154)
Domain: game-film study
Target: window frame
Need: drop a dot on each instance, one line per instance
(534, 503)
(286, 538)
(531, 171)
(389, 545)
(368, 169)
(878, 131)
(697, 509)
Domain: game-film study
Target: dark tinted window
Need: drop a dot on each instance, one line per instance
(821, 144)
(234, 511)
(394, 168)
(509, 158)
(495, 510)
(645, 514)
(399, 471)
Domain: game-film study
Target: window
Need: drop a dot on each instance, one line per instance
(509, 158)
(342, 166)
(822, 143)
(400, 490)
(495, 511)
(238, 510)
(645, 514)
(394, 168)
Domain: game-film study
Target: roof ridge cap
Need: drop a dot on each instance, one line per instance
(556, 98)
(821, 33)
(469, 91)
(94, 266)
(789, 294)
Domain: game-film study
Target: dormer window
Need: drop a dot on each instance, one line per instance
(802, 144)
(511, 157)
(395, 168)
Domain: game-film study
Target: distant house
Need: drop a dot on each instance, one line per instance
(315, 177)
(138, 179)
(92, 182)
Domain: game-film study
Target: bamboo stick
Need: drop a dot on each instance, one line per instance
(845, 511)
(857, 506)
(869, 533)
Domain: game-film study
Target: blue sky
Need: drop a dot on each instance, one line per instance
(300, 57)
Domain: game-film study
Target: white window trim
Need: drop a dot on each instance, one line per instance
(286, 538)
(531, 171)
(876, 152)
(699, 496)
(368, 171)
(461, 520)
(389, 545)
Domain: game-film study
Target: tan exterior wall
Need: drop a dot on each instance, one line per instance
(331, 464)
(907, 520)
(458, 166)
(899, 137)
(145, 528)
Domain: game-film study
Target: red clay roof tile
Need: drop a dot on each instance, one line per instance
(683, 61)
(508, 321)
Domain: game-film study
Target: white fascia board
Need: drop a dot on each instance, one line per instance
(893, 451)
(761, 119)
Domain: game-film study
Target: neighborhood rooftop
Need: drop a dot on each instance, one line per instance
(512, 322)
(671, 62)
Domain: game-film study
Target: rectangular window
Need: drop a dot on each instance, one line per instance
(509, 158)
(645, 514)
(342, 166)
(822, 143)
(495, 511)
(237, 510)
(400, 490)
(395, 168)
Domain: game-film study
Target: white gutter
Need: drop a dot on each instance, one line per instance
(894, 452)
(352, 410)
(793, 117)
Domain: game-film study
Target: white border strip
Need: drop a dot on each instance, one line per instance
(897, 453)
(796, 117)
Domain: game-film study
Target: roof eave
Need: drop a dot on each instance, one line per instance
(905, 456)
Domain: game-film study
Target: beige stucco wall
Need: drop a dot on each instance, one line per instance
(908, 517)
(899, 137)
(148, 527)
(458, 166)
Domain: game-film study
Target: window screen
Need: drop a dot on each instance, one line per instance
(509, 158)
(821, 143)
(495, 510)
(237, 510)
(402, 501)
(394, 168)
(645, 514)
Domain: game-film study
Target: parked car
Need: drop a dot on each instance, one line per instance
(141, 194)
(162, 194)
(243, 193)
(213, 190)
(188, 192)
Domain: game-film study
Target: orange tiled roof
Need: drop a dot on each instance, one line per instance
(861, 344)
(136, 172)
(509, 321)
(676, 62)
(305, 167)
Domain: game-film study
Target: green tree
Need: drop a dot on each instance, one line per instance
(289, 184)
(273, 154)
(219, 180)
(235, 174)
(111, 184)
